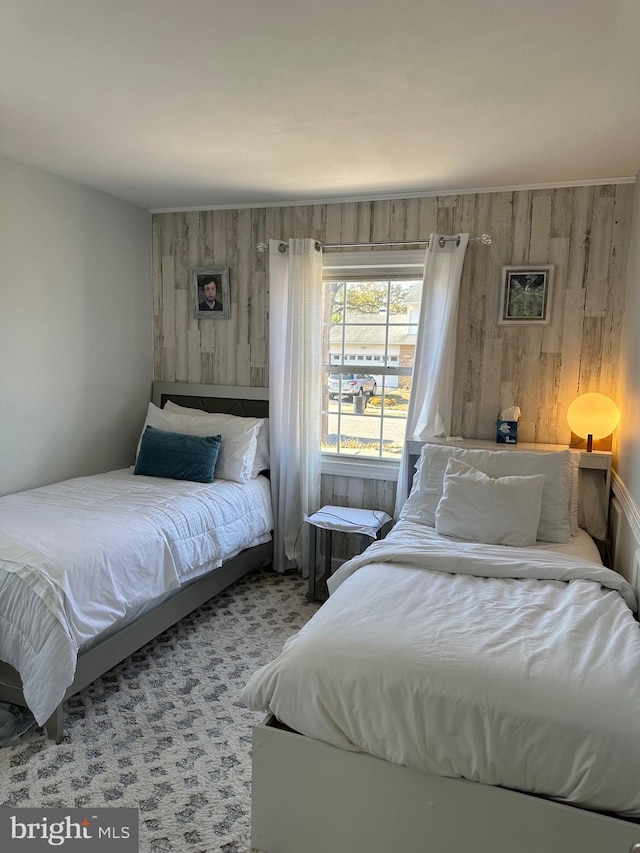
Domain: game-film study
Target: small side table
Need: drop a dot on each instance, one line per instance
(366, 522)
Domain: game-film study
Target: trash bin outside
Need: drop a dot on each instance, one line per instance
(359, 404)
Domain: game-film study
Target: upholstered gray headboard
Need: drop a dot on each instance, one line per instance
(226, 399)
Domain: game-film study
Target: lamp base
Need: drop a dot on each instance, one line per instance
(579, 443)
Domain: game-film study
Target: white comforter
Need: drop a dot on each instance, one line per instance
(79, 556)
(456, 659)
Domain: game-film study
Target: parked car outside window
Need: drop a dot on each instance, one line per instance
(351, 385)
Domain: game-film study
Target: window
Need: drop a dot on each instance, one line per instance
(371, 309)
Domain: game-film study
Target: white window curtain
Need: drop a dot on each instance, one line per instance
(429, 413)
(295, 367)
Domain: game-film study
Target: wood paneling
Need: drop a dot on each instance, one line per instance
(584, 231)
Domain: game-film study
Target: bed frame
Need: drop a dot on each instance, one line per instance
(101, 657)
(309, 795)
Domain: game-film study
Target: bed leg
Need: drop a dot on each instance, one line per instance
(55, 725)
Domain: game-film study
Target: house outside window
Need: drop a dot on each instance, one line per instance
(371, 308)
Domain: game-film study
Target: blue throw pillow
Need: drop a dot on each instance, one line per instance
(177, 456)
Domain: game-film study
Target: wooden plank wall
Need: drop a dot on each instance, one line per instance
(584, 231)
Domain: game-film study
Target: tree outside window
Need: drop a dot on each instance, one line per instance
(368, 339)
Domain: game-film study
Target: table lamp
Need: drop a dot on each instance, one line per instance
(592, 416)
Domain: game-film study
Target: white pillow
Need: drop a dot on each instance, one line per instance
(502, 511)
(262, 462)
(554, 525)
(239, 439)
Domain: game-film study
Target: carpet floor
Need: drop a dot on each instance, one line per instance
(165, 731)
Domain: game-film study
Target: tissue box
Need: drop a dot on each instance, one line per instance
(507, 432)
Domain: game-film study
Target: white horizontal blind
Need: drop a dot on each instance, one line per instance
(405, 264)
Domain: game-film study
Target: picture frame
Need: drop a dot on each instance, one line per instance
(526, 295)
(209, 282)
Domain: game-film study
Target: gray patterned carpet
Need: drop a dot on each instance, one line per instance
(165, 731)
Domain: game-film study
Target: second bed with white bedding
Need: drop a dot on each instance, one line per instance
(517, 667)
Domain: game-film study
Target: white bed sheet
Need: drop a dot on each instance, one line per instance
(464, 670)
(581, 547)
(79, 556)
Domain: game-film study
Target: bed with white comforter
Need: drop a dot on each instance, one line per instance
(471, 660)
(81, 557)
(93, 568)
(510, 666)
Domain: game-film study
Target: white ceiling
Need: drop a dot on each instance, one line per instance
(206, 103)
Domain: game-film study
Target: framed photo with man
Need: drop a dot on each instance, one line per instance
(210, 292)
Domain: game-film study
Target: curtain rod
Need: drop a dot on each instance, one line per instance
(485, 239)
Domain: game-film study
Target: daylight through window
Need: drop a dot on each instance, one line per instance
(370, 324)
